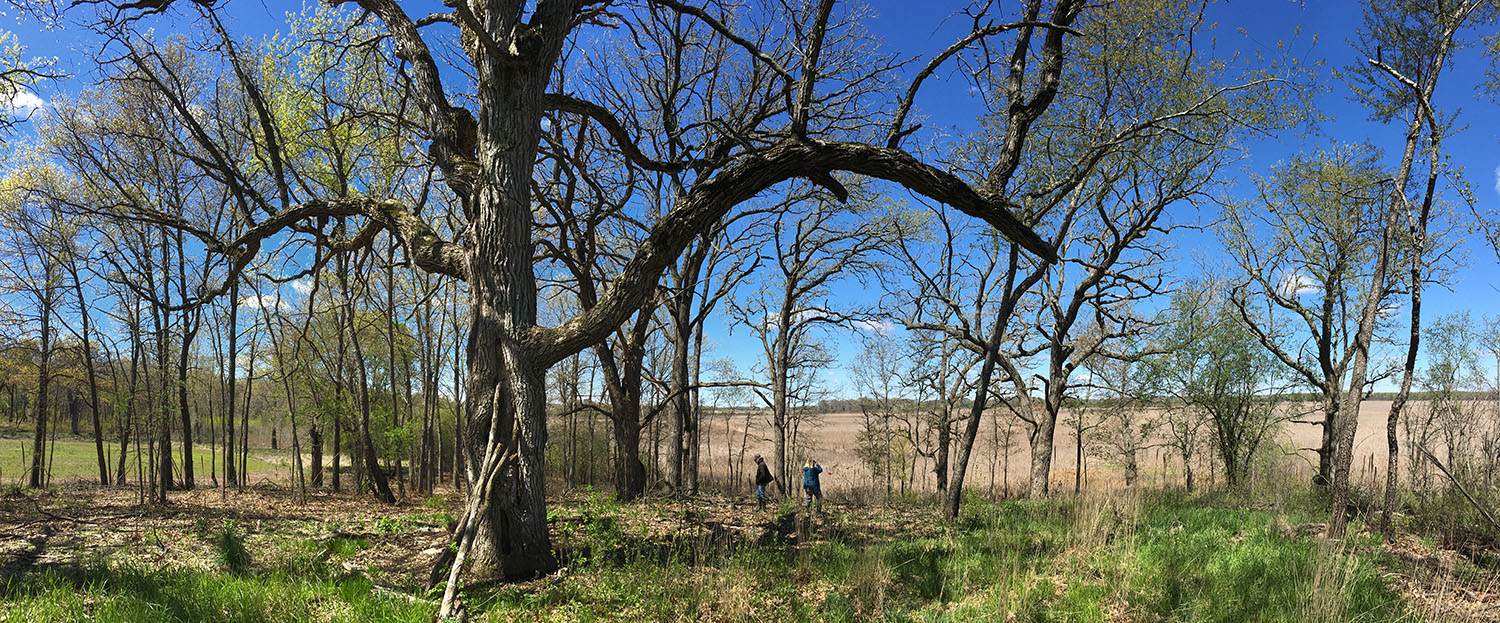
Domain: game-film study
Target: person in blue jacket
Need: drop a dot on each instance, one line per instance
(810, 484)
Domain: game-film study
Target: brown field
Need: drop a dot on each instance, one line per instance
(832, 439)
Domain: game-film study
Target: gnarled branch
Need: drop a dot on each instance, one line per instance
(711, 199)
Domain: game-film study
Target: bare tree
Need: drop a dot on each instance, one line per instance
(1299, 291)
(813, 250)
(487, 161)
(1114, 162)
(1434, 46)
(877, 372)
(38, 277)
(1421, 36)
(1451, 416)
(1128, 423)
(1308, 297)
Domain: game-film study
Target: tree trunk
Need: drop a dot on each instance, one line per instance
(511, 538)
(245, 417)
(681, 310)
(1331, 401)
(1078, 456)
(364, 454)
(1041, 453)
(189, 331)
(944, 447)
(390, 340)
(337, 448)
(367, 446)
(630, 473)
(459, 404)
(231, 474)
(1418, 235)
(1187, 471)
(43, 381)
(134, 328)
(681, 379)
(1374, 294)
(163, 418)
(779, 398)
(315, 441)
(506, 386)
(697, 407)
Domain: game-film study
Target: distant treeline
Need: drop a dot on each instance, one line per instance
(859, 405)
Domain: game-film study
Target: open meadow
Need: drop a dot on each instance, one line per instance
(833, 438)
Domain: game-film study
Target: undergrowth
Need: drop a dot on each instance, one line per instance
(109, 594)
(1164, 557)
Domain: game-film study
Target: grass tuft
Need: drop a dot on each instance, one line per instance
(229, 547)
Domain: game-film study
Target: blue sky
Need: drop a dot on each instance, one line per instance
(1316, 30)
(1313, 30)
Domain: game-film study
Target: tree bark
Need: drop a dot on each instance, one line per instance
(133, 326)
(1041, 454)
(73, 414)
(231, 473)
(630, 472)
(189, 321)
(371, 460)
(43, 384)
(315, 443)
(682, 416)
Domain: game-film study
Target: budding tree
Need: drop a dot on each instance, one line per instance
(486, 157)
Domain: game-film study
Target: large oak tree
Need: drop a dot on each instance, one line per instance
(484, 142)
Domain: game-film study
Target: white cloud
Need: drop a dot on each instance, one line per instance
(878, 327)
(302, 286)
(1298, 284)
(1497, 180)
(806, 314)
(256, 301)
(25, 104)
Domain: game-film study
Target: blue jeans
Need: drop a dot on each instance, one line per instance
(760, 492)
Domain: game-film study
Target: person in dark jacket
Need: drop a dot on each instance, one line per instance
(763, 478)
(810, 484)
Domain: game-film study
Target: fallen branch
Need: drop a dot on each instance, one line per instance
(391, 592)
(1460, 487)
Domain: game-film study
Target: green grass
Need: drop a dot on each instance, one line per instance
(1172, 560)
(77, 460)
(97, 592)
(285, 579)
(1164, 558)
(1195, 563)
